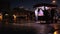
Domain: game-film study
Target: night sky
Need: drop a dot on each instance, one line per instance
(29, 3)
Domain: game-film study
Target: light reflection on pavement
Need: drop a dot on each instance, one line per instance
(41, 28)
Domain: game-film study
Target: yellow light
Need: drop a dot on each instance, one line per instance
(55, 32)
(0, 16)
(14, 17)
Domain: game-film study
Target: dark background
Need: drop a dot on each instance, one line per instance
(28, 3)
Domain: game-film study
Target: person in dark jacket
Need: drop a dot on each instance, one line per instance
(52, 14)
(46, 16)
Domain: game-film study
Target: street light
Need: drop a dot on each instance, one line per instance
(54, 2)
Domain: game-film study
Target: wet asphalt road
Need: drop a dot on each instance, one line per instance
(32, 28)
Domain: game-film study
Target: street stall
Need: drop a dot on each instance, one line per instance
(43, 12)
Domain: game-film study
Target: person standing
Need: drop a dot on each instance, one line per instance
(46, 15)
(52, 14)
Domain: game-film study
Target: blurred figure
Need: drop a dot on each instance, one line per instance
(11, 19)
(58, 15)
(52, 14)
(46, 15)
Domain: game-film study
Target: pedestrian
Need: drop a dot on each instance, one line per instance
(52, 14)
(46, 15)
